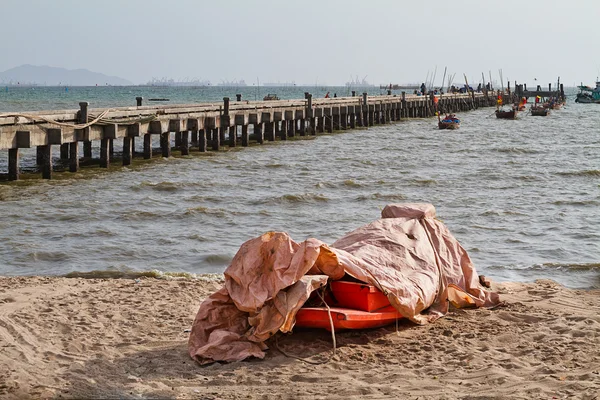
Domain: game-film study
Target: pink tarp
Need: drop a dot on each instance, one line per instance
(408, 254)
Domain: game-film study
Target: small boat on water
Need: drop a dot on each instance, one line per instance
(271, 96)
(588, 95)
(539, 111)
(502, 114)
(449, 122)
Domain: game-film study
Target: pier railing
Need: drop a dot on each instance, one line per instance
(211, 125)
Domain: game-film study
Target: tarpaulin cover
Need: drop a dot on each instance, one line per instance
(408, 254)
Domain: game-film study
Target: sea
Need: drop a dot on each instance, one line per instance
(522, 196)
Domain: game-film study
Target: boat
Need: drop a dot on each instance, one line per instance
(449, 122)
(345, 318)
(270, 96)
(539, 111)
(352, 305)
(512, 114)
(588, 95)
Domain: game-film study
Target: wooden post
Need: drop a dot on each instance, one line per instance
(38, 155)
(232, 136)
(292, 127)
(202, 142)
(147, 146)
(165, 144)
(284, 126)
(270, 131)
(215, 139)
(83, 119)
(13, 164)
(365, 107)
(245, 139)
(111, 148)
(64, 151)
(46, 161)
(139, 101)
(258, 133)
(185, 143)
(126, 150)
(104, 153)
(74, 156)
(178, 139)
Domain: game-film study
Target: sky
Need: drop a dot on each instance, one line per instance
(325, 42)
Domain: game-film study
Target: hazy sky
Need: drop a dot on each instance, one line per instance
(307, 41)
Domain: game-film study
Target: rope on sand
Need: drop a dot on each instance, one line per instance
(332, 338)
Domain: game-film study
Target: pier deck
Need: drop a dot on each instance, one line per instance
(211, 125)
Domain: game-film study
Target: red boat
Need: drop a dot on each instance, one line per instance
(353, 305)
(345, 318)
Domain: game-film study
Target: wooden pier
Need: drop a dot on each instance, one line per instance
(204, 126)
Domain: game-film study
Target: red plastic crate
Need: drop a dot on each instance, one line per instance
(358, 296)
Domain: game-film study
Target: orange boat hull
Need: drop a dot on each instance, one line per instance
(345, 318)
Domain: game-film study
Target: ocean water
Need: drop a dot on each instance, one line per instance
(523, 196)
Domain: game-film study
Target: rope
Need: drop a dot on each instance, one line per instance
(332, 338)
(53, 122)
(94, 120)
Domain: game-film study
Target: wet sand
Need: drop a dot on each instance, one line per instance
(124, 338)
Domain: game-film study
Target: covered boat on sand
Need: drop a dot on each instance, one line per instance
(408, 255)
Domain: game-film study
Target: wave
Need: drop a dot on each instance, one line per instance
(589, 172)
(351, 183)
(576, 203)
(380, 196)
(422, 182)
(573, 267)
(217, 259)
(131, 274)
(170, 187)
(325, 184)
(500, 213)
(516, 150)
(301, 198)
(217, 212)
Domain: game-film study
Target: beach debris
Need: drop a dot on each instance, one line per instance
(485, 281)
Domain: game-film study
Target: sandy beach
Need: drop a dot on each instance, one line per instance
(125, 338)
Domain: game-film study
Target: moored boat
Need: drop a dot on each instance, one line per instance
(449, 122)
(512, 114)
(588, 95)
(539, 111)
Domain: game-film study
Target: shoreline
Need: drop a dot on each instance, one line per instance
(126, 338)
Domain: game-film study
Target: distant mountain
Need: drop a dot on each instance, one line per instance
(52, 76)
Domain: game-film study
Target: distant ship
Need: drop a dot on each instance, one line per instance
(354, 82)
(233, 83)
(280, 84)
(172, 82)
(396, 86)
